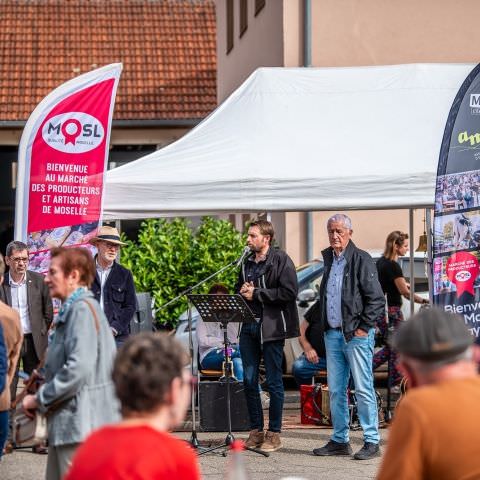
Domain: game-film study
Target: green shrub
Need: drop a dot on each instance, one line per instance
(169, 257)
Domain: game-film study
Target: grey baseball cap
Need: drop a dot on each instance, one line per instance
(432, 335)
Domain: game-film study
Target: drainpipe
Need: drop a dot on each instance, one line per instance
(307, 62)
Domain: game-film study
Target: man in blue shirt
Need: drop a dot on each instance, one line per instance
(351, 299)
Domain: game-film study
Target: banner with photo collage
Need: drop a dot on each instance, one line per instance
(456, 236)
(62, 159)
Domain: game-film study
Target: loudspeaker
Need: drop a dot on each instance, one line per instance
(212, 406)
(142, 320)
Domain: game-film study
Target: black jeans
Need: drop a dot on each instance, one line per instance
(252, 349)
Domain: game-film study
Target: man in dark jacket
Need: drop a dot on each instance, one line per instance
(268, 282)
(113, 286)
(351, 299)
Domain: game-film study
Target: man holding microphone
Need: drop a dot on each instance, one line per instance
(268, 282)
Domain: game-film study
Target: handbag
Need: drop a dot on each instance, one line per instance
(28, 429)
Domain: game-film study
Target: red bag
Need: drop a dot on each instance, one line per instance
(315, 405)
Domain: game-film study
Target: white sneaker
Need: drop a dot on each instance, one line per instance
(265, 399)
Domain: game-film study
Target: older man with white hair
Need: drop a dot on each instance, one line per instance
(351, 299)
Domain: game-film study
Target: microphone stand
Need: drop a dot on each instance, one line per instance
(193, 438)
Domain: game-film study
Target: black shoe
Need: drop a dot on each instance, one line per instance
(333, 448)
(368, 451)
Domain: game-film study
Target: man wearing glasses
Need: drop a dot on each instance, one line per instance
(113, 286)
(351, 299)
(26, 292)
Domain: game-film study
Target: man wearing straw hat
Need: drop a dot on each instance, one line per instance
(113, 285)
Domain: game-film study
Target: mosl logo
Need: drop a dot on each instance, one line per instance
(463, 276)
(73, 132)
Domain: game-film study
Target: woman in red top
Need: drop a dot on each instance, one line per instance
(154, 391)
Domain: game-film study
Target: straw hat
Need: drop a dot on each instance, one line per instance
(107, 234)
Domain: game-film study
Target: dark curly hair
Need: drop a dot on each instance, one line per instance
(144, 369)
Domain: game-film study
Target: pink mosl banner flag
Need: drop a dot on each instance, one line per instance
(62, 159)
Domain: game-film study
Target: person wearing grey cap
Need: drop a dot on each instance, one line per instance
(435, 433)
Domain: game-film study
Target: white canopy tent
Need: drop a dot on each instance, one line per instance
(293, 139)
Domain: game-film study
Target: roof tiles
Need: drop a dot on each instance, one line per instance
(167, 48)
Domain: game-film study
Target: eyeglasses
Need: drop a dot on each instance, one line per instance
(339, 231)
(19, 259)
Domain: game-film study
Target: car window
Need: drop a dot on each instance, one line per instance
(309, 275)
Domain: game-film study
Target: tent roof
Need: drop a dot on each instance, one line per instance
(292, 139)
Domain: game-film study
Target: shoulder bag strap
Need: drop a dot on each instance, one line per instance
(94, 313)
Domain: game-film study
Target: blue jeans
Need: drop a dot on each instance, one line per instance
(214, 359)
(303, 371)
(251, 348)
(3, 429)
(353, 357)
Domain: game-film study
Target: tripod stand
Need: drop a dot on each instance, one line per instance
(194, 439)
(225, 309)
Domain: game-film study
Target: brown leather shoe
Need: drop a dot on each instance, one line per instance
(272, 442)
(8, 448)
(255, 439)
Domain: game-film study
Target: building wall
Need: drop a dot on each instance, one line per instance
(260, 46)
(383, 32)
(349, 33)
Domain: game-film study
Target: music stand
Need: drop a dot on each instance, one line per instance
(225, 309)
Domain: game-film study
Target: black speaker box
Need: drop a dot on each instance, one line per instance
(212, 405)
(142, 320)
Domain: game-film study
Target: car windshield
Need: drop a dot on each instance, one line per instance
(308, 274)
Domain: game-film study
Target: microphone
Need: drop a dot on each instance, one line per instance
(246, 253)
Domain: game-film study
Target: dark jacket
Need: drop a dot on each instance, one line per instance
(40, 308)
(276, 289)
(119, 299)
(362, 296)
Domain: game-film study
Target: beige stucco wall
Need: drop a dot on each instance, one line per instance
(349, 33)
(383, 32)
(260, 46)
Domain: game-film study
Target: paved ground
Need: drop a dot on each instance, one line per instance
(294, 459)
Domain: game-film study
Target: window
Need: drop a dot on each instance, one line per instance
(259, 4)
(243, 16)
(230, 25)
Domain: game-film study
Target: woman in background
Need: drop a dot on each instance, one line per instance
(394, 286)
(153, 387)
(210, 341)
(78, 394)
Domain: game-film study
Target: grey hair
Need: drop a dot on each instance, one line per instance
(429, 367)
(15, 245)
(340, 217)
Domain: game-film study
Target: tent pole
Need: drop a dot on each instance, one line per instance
(428, 217)
(307, 62)
(412, 265)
